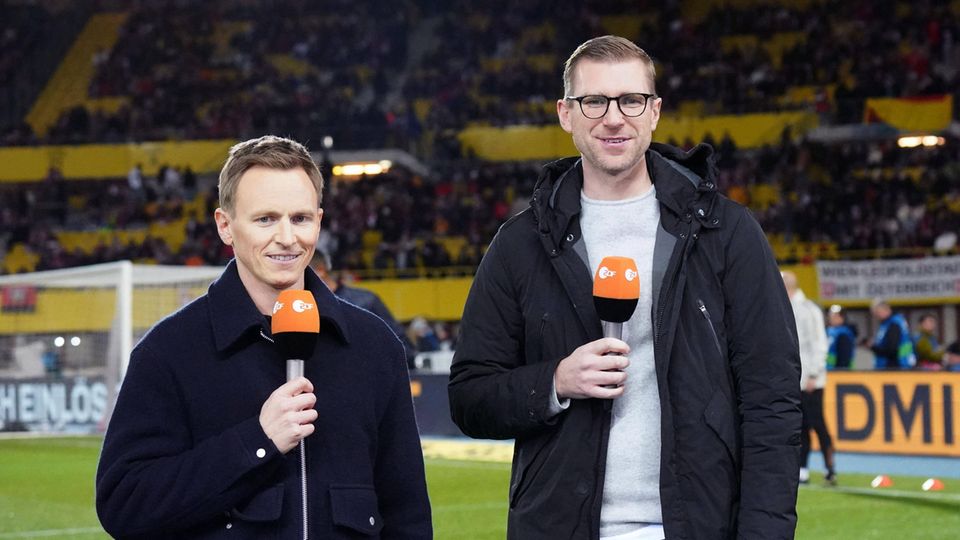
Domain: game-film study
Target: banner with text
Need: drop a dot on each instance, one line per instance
(891, 412)
(911, 279)
(62, 405)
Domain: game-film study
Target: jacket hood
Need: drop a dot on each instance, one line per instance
(686, 183)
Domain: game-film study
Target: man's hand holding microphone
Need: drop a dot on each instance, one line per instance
(597, 369)
(288, 415)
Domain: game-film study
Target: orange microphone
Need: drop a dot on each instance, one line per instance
(616, 291)
(295, 327)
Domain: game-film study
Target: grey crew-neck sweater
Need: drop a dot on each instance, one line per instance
(631, 489)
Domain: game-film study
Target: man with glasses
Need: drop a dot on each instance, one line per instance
(688, 427)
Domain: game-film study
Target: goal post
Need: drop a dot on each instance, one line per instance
(66, 337)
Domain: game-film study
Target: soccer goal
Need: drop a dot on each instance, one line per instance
(66, 336)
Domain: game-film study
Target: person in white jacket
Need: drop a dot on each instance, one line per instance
(812, 336)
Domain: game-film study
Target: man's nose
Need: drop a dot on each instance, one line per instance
(284, 233)
(613, 116)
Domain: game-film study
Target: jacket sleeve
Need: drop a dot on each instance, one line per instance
(399, 470)
(765, 361)
(495, 392)
(153, 477)
(819, 344)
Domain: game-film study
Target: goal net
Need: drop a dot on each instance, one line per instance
(66, 336)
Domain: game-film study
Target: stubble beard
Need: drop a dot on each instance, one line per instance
(615, 166)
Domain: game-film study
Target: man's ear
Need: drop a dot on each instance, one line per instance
(223, 226)
(563, 113)
(655, 113)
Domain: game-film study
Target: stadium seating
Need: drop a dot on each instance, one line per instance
(416, 77)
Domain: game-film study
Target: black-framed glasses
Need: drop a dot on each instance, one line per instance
(595, 106)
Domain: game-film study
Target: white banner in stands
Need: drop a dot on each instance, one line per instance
(930, 277)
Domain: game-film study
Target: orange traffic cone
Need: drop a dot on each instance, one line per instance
(932, 484)
(882, 481)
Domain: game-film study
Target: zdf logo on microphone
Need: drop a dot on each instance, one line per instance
(604, 273)
(630, 274)
(300, 306)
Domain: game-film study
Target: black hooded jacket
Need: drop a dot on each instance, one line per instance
(726, 359)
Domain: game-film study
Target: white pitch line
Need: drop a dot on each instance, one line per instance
(52, 533)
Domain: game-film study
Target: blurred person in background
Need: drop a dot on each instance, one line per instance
(928, 349)
(689, 427)
(204, 441)
(368, 300)
(891, 345)
(841, 339)
(424, 335)
(951, 357)
(812, 338)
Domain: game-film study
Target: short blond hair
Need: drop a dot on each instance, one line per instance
(268, 151)
(606, 49)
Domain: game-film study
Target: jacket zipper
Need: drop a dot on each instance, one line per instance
(303, 466)
(713, 332)
(665, 293)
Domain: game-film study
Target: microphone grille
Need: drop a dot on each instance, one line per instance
(617, 278)
(295, 311)
(616, 289)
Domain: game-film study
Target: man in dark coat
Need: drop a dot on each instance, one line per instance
(688, 427)
(203, 442)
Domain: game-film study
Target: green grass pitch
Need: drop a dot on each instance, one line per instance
(46, 491)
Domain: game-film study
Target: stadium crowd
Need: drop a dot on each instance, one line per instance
(212, 70)
(861, 49)
(858, 196)
(225, 70)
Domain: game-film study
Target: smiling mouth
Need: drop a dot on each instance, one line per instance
(283, 258)
(614, 140)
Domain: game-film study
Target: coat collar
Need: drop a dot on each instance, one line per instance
(233, 314)
(685, 181)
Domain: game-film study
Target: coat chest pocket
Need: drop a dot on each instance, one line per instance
(354, 510)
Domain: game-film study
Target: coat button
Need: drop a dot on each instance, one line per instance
(261, 453)
(709, 185)
(229, 525)
(715, 221)
(700, 212)
(372, 521)
(570, 237)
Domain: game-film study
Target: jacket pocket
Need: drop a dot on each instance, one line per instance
(262, 507)
(713, 332)
(721, 420)
(354, 507)
(529, 462)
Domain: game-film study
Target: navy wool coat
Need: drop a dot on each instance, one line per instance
(185, 455)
